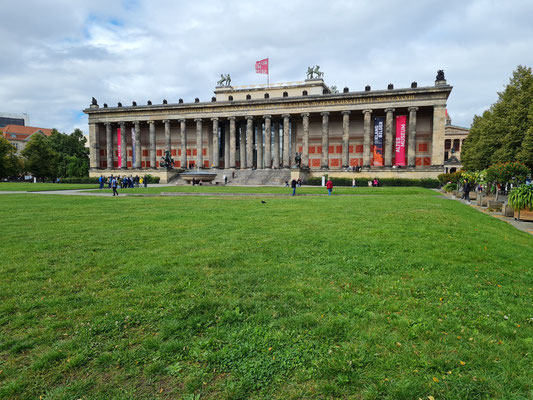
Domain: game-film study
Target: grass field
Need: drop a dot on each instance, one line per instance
(37, 187)
(269, 189)
(398, 295)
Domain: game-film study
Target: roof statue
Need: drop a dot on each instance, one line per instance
(94, 102)
(440, 75)
(315, 70)
(225, 80)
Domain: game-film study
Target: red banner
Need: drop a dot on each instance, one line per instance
(261, 66)
(119, 148)
(401, 122)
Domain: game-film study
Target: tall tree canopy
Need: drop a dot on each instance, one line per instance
(504, 132)
(73, 156)
(10, 164)
(40, 158)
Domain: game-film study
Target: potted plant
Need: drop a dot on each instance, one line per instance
(521, 200)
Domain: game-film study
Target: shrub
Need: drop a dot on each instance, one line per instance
(450, 187)
(152, 179)
(425, 182)
(79, 179)
(521, 197)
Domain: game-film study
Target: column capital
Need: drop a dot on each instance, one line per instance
(137, 124)
(324, 113)
(214, 119)
(182, 120)
(412, 109)
(231, 118)
(267, 116)
(285, 116)
(249, 117)
(166, 121)
(345, 112)
(151, 122)
(439, 105)
(389, 110)
(198, 120)
(107, 123)
(122, 123)
(367, 111)
(304, 115)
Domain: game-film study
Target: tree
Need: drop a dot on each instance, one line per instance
(10, 164)
(503, 131)
(73, 156)
(40, 158)
(503, 173)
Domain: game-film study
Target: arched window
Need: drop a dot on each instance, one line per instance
(230, 98)
(267, 96)
(285, 94)
(248, 97)
(304, 93)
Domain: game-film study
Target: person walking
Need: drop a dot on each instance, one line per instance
(114, 186)
(466, 189)
(329, 186)
(101, 181)
(293, 185)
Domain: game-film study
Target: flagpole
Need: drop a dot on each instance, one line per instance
(268, 72)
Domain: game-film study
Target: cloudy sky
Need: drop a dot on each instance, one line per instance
(57, 54)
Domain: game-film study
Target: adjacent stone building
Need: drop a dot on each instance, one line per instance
(19, 135)
(371, 133)
(454, 137)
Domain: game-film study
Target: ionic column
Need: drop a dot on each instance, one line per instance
(325, 140)
(268, 141)
(242, 145)
(437, 140)
(109, 144)
(411, 138)
(153, 158)
(183, 143)
(305, 140)
(345, 139)
(232, 143)
(286, 142)
(199, 141)
(259, 145)
(93, 146)
(276, 144)
(249, 142)
(167, 135)
(388, 136)
(367, 129)
(226, 145)
(137, 127)
(123, 146)
(215, 149)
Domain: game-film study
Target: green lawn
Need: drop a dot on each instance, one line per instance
(400, 295)
(36, 187)
(270, 189)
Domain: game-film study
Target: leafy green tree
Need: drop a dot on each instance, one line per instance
(501, 133)
(10, 164)
(73, 156)
(39, 157)
(503, 173)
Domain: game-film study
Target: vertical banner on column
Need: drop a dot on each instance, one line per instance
(378, 140)
(119, 148)
(132, 147)
(401, 121)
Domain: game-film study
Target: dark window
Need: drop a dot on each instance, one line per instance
(285, 94)
(248, 97)
(304, 93)
(230, 98)
(267, 96)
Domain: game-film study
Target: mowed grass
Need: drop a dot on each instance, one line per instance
(37, 187)
(403, 295)
(269, 189)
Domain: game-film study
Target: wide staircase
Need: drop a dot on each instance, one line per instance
(245, 177)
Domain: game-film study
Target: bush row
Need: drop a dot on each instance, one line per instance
(86, 179)
(425, 182)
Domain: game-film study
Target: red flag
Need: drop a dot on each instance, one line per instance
(261, 66)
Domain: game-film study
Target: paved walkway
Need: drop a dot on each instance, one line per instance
(524, 226)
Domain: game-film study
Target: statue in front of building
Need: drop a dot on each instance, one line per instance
(167, 161)
(225, 80)
(440, 75)
(298, 160)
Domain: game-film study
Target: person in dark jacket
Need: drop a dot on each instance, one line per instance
(466, 191)
(293, 185)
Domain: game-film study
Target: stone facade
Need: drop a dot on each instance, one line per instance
(454, 137)
(264, 127)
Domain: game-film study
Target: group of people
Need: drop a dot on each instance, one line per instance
(373, 183)
(298, 183)
(114, 182)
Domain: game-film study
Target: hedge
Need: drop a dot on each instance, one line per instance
(425, 182)
(86, 179)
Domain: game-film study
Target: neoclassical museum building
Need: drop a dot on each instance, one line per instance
(303, 128)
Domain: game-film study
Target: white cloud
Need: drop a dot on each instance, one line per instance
(56, 55)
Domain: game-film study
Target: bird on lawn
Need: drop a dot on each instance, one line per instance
(263, 202)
